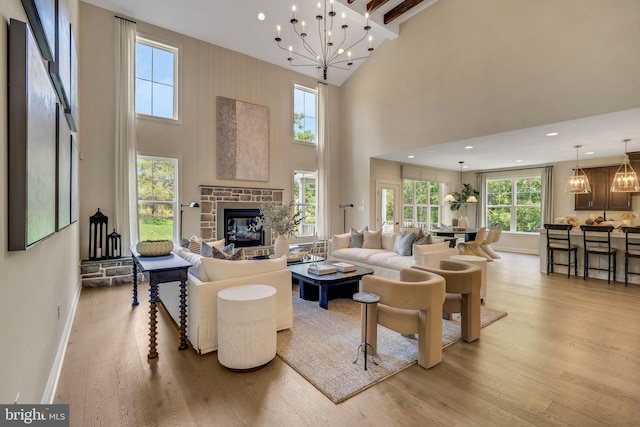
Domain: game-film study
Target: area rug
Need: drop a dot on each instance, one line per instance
(322, 345)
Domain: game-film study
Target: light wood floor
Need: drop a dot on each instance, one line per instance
(568, 353)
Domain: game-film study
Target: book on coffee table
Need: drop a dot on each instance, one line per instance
(321, 269)
(344, 267)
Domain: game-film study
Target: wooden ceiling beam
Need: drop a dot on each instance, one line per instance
(375, 4)
(403, 7)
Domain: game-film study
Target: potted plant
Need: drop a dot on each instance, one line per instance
(467, 195)
(282, 219)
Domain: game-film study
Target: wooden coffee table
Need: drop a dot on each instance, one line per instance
(339, 285)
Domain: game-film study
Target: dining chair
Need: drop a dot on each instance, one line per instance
(631, 249)
(472, 247)
(595, 243)
(559, 239)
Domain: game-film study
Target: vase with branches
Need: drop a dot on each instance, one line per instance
(283, 219)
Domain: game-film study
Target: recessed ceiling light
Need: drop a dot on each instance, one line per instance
(552, 134)
(468, 147)
(518, 161)
(588, 153)
(465, 167)
(411, 156)
(261, 16)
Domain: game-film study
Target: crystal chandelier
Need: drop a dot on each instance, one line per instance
(578, 183)
(330, 50)
(625, 180)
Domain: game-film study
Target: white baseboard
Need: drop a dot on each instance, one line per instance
(515, 250)
(54, 375)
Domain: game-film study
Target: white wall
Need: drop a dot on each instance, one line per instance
(35, 281)
(206, 71)
(464, 69)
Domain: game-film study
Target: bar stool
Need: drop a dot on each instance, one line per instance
(632, 250)
(593, 245)
(559, 239)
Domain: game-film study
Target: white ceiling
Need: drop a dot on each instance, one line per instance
(235, 25)
(601, 135)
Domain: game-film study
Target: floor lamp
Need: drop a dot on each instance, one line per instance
(190, 205)
(344, 215)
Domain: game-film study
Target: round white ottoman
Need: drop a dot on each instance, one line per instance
(247, 331)
(480, 262)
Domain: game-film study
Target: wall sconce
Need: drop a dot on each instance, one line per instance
(190, 205)
(344, 215)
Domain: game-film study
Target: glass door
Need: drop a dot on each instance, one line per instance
(388, 206)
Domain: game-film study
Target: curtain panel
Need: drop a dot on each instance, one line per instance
(126, 189)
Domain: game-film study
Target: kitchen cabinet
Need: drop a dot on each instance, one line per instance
(600, 198)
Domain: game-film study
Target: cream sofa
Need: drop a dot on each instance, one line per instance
(207, 276)
(386, 262)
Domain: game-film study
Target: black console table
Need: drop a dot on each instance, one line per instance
(161, 269)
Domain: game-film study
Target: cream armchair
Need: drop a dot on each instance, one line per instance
(463, 281)
(410, 305)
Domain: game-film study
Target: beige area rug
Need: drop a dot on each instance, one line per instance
(322, 345)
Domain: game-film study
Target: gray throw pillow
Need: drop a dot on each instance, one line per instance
(424, 240)
(404, 243)
(206, 250)
(357, 237)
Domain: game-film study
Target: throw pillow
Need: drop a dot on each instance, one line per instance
(229, 248)
(237, 255)
(404, 242)
(340, 241)
(206, 248)
(424, 240)
(217, 253)
(357, 238)
(372, 239)
(388, 241)
(184, 243)
(194, 244)
(417, 230)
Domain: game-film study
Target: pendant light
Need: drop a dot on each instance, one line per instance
(578, 183)
(625, 180)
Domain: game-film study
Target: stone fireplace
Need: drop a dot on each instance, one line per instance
(225, 212)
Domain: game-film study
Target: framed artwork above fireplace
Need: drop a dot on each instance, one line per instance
(242, 140)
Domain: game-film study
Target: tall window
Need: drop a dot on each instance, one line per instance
(157, 198)
(305, 114)
(421, 203)
(515, 204)
(304, 195)
(156, 78)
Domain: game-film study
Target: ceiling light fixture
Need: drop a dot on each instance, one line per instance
(328, 51)
(261, 16)
(552, 134)
(411, 156)
(451, 198)
(625, 180)
(468, 147)
(578, 183)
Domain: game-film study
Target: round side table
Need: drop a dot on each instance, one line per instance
(480, 262)
(366, 298)
(247, 331)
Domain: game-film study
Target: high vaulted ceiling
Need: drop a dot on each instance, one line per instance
(235, 25)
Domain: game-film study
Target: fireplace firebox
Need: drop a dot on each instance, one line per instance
(238, 228)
